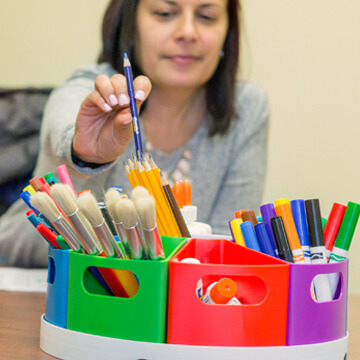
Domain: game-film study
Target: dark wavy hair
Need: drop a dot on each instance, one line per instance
(118, 36)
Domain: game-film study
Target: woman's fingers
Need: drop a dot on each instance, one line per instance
(92, 101)
(142, 88)
(105, 87)
(118, 82)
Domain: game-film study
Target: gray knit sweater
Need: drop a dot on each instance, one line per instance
(227, 171)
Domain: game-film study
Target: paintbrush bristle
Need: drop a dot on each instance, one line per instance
(45, 204)
(65, 198)
(126, 213)
(145, 208)
(139, 192)
(88, 206)
(112, 197)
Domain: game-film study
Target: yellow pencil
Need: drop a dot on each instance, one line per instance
(133, 173)
(154, 178)
(160, 216)
(129, 175)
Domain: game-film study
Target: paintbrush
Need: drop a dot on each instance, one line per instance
(88, 206)
(145, 208)
(112, 197)
(126, 213)
(45, 205)
(64, 195)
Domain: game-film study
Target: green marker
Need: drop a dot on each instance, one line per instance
(343, 240)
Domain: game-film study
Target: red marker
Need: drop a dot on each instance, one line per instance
(332, 227)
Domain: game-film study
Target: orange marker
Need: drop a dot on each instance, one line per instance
(238, 214)
(186, 186)
(178, 193)
(284, 211)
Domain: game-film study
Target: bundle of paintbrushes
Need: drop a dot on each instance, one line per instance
(168, 215)
(73, 221)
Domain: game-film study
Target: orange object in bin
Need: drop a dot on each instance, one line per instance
(262, 288)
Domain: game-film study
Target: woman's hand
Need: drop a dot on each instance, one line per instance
(103, 128)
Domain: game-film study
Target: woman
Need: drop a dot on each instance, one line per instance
(197, 120)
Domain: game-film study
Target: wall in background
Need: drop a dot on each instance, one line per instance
(304, 53)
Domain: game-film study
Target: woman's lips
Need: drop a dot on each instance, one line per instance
(183, 59)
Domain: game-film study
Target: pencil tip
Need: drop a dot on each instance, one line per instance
(126, 60)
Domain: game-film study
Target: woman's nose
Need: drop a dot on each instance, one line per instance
(186, 28)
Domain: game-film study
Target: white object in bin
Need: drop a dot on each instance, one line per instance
(66, 344)
(189, 213)
(199, 284)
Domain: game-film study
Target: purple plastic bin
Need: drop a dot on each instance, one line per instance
(311, 322)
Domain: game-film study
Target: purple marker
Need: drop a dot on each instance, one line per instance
(267, 213)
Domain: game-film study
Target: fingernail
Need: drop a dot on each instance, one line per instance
(113, 100)
(107, 107)
(127, 121)
(140, 95)
(124, 100)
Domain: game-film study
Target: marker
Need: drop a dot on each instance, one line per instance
(238, 214)
(284, 211)
(281, 201)
(343, 240)
(26, 197)
(263, 235)
(317, 249)
(249, 216)
(50, 178)
(299, 216)
(249, 234)
(282, 242)
(268, 212)
(236, 231)
(332, 227)
(65, 177)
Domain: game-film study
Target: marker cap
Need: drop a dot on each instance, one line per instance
(333, 224)
(348, 225)
(249, 216)
(223, 291)
(313, 216)
(281, 239)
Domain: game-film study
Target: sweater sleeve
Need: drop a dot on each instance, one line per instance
(243, 182)
(58, 126)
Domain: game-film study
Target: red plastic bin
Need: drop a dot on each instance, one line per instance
(262, 283)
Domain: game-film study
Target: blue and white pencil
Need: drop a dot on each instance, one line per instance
(133, 108)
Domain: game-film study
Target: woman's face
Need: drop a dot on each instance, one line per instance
(178, 42)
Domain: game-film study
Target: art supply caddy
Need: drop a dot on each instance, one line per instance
(278, 318)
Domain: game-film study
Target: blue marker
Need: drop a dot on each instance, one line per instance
(264, 239)
(249, 234)
(26, 196)
(299, 215)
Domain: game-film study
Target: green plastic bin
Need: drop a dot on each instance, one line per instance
(141, 317)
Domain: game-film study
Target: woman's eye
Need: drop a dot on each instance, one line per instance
(163, 14)
(207, 17)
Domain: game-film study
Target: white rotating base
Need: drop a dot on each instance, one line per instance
(72, 345)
